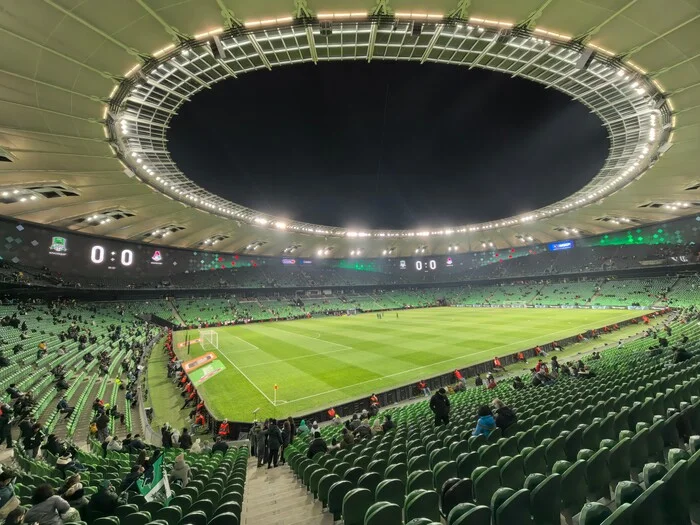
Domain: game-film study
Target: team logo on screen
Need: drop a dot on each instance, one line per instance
(449, 261)
(156, 257)
(59, 246)
(402, 265)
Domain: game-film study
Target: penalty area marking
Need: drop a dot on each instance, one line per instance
(538, 338)
(248, 379)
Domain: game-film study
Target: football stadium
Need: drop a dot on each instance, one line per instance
(370, 262)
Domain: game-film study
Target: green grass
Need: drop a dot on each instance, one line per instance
(319, 363)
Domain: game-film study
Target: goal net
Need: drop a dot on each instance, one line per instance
(209, 338)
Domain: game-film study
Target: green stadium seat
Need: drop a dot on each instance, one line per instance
(442, 472)
(397, 471)
(466, 463)
(594, 513)
(324, 486)
(455, 492)
(227, 518)
(422, 504)
(573, 488)
(384, 513)
(355, 505)
(545, 501)
(485, 485)
(513, 473)
(516, 509)
(676, 502)
(597, 475)
(336, 496)
(391, 490)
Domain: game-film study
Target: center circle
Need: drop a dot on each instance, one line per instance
(387, 144)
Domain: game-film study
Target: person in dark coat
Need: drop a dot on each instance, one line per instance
(220, 446)
(317, 445)
(166, 437)
(440, 406)
(5, 425)
(292, 429)
(104, 502)
(185, 439)
(102, 423)
(286, 437)
(274, 442)
(505, 417)
(33, 441)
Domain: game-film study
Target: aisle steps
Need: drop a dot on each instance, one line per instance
(274, 497)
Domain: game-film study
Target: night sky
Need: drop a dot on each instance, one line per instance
(387, 145)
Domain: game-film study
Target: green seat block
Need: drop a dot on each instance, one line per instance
(355, 505)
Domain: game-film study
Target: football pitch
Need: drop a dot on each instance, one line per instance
(321, 362)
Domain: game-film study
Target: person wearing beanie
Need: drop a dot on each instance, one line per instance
(440, 405)
(180, 471)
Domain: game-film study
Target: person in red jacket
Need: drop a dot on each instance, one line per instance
(459, 377)
(423, 387)
(224, 429)
(497, 364)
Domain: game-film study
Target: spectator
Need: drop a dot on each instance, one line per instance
(355, 422)
(505, 417)
(115, 445)
(16, 516)
(196, 446)
(388, 423)
(180, 471)
(459, 377)
(440, 406)
(316, 446)
(8, 500)
(136, 443)
(6, 425)
(377, 427)
(220, 446)
(261, 445)
(33, 441)
(72, 491)
(424, 388)
(166, 436)
(286, 436)
(274, 442)
(485, 423)
(292, 429)
(303, 429)
(363, 431)
(129, 482)
(102, 423)
(185, 440)
(518, 383)
(478, 381)
(48, 508)
(105, 501)
(490, 381)
(680, 355)
(64, 408)
(347, 440)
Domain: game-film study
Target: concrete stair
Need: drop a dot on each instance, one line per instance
(274, 497)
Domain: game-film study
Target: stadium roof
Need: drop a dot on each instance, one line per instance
(88, 90)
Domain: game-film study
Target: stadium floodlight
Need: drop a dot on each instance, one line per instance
(320, 252)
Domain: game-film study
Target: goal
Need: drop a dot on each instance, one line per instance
(209, 337)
